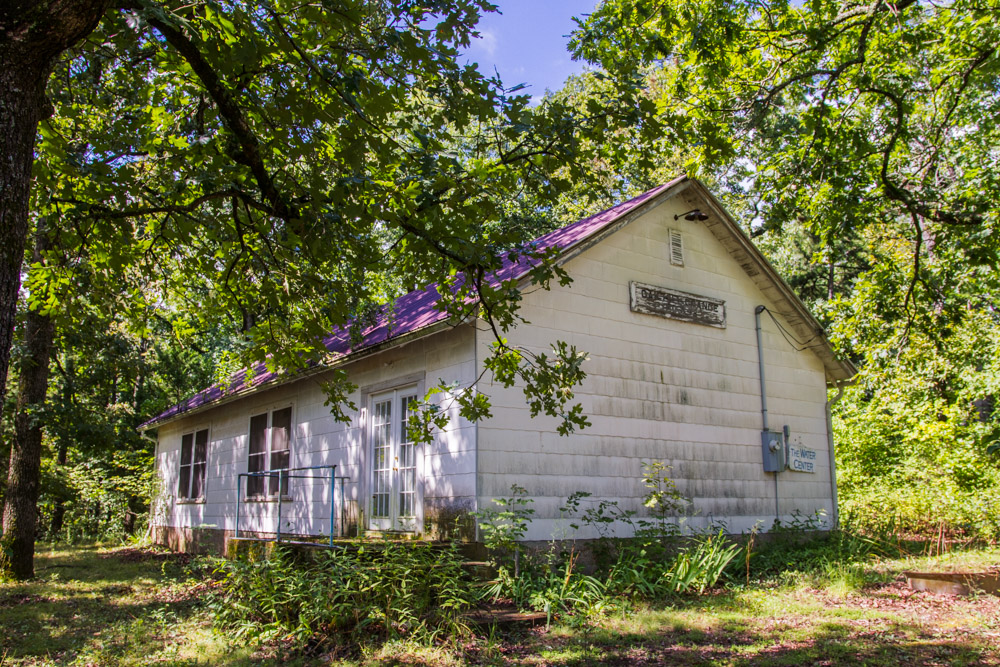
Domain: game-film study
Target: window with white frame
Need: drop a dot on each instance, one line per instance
(270, 440)
(194, 458)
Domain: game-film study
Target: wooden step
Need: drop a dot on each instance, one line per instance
(482, 570)
(504, 616)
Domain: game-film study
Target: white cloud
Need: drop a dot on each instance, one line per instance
(487, 43)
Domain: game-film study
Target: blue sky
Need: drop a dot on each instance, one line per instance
(526, 43)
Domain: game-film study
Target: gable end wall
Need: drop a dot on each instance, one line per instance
(659, 389)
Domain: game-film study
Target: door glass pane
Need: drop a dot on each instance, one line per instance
(381, 458)
(407, 461)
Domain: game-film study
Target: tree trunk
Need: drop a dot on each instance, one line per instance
(33, 35)
(21, 104)
(62, 454)
(20, 512)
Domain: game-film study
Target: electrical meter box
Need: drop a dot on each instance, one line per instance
(772, 445)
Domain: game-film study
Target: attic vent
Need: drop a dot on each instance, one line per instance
(676, 248)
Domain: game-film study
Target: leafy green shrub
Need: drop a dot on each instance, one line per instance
(548, 581)
(841, 554)
(698, 566)
(647, 566)
(915, 430)
(96, 500)
(923, 507)
(503, 528)
(552, 583)
(387, 590)
(643, 570)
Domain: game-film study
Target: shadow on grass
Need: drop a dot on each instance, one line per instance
(124, 607)
(55, 627)
(825, 644)
(80, 595)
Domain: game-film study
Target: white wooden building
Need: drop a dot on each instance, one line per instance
(665, 300)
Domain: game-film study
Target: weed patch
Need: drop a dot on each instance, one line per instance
(382, 591)
(158, 616)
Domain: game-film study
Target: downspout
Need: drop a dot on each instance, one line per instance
(156, 467)
(833, 457)
(763, 395)
(476, 537)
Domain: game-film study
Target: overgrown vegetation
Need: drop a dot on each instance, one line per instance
(350, 595)
(421, 592)
(913, 434)
(651, 566)
(837, 598)
(856, 142)
(874, 199)
(380, 599)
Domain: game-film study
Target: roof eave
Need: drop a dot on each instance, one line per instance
(319, 369)
(673, 188)
(838, 371)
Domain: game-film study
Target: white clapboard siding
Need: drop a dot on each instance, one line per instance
(658, 389)
(447, 465)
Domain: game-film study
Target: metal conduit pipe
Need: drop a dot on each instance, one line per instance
(763, 396)
(760, 363)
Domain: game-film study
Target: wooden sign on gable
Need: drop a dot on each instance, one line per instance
(676, 305)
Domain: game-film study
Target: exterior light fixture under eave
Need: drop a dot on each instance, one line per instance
(694, 215)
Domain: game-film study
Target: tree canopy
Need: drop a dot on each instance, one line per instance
(844, 115)
(859, 143)
(285, 167)
(252, 176)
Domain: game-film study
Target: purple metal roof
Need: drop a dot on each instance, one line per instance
(415, 311)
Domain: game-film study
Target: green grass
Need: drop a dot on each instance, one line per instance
(98, 606)
(118, 606)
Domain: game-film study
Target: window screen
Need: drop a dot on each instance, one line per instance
(257, 461)
(270, 442)
(194, 460)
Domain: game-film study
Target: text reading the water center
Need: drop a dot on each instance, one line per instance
(801, 459)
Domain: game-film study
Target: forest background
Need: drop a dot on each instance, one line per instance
(202, 159)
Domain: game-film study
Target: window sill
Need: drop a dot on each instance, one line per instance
(267, 499)
(190, 501)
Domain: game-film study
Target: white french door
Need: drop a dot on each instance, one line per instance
(393, 502)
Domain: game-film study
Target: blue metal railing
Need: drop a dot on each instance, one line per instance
(283, 476)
